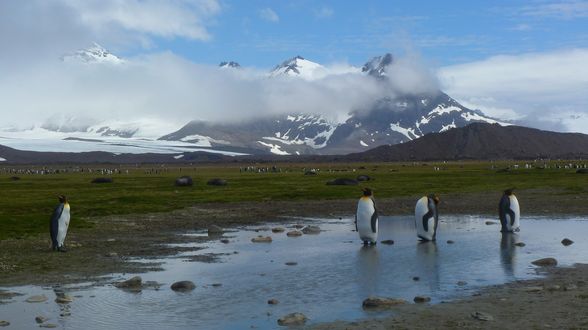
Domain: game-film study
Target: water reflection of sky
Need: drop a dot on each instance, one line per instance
(333, 275)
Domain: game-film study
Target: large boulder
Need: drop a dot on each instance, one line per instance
(183, 286)
(217, 182)
(184, 181)
(342, 182)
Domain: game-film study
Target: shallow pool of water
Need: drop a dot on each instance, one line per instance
(333, 275)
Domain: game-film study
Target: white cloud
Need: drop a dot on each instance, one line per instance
(558, 9)
(532, 88)
(269, 14)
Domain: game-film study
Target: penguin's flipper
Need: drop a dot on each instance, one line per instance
(426, 218)
(503, 209)
(374, 218)
(356, 223)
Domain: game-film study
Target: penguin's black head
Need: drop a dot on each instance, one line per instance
(62, 198)
(367, 192)
(435, 198)
(509, 191)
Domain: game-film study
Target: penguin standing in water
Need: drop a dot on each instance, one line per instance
(509, 212)
(59, 224)
(366, 218)
(426, 217)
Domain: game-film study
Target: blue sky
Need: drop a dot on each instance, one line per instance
(523, 61)
(263, 33)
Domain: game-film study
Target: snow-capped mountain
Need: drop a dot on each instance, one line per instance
(94, 54)
(300, 67)
(389, 121)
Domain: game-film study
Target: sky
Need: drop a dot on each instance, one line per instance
(523, 61)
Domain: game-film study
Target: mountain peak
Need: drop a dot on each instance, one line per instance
(377, 65)
(229, 64)
(297, 66)
(94, 54)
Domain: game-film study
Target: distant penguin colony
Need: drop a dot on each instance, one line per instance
(509, 212)
(426, 217)
(59, 224)
(366, 218)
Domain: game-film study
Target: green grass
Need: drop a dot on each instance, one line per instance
(27, 203)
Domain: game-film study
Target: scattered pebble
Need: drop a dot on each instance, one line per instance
(216, 285)
(225, 241)
(215, 230)
(462, 283)
(291, 263)
(567, 242)
(489, 223)
(570, 287)
(292, 319)
(416, 278)
(482, 316)
(520, 244)
(278, 230)
(183, 286)
(41, 319)
(545, 262)
(422, 299)
(294, 233)
(273, 302)
(48, 325)
(533, 289)
(36, 299)
(261, 239)
(450, 242)
(379, 302)
(387, 242)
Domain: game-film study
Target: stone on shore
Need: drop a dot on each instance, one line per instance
(482, 316)
(294, 233)
(261, 239)
(379, 302)
(422, 299)
(183, 286)
(36, 299)
(311, 230)
(545, 262)
(292, 319)
(278, 230)
(567, 242)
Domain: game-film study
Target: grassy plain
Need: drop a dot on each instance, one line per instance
(27, 203)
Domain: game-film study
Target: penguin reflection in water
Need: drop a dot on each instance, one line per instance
(426, 217)
(509, 212)
(366, 218)
(59, 224)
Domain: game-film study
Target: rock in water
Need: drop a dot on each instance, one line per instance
(214, 230)
(387, 242)
(261, 239)
(36, 299)
(63, 299)
(310, 230)
(291, 263)
(482, 316)
(292, 319)
(294, 233)
(422, 299)
(4, 323)
(520, 244)
(132, 283)
(278, 230)
(48, 326)
(183, 286)
(41, 319)
(273, 302)
(450, 242)
(379, 302)
(489, 223)
(567, 242)
(545, 262)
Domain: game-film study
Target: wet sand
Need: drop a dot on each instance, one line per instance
(113, 242)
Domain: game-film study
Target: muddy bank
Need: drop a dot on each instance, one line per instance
(558, 301)
(112, 243)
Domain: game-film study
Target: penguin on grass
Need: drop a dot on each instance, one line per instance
(59, 224)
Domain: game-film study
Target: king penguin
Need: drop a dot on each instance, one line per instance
(509, 212)
(366, 218)
(59, 224)
(426, 217)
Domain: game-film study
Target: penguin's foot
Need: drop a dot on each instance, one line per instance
(365, 242)
(61, 249)
(373, 243)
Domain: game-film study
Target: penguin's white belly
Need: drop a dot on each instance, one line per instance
(420, 210)
(514, 206)
(63, 225)
(365, 210)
